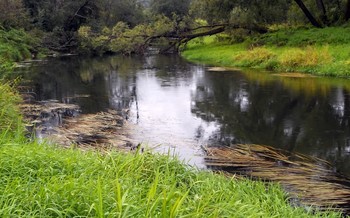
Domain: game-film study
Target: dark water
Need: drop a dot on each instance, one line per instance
(182, 105)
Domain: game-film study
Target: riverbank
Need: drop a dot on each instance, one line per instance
(46, 181)
(322, 52)
(41, 180)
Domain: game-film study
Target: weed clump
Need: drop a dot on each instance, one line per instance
(308, 57)
(254, 57)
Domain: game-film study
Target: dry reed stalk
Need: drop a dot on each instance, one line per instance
(68, 127)
(310, 180)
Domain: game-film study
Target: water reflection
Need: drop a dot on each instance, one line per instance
(184, 106)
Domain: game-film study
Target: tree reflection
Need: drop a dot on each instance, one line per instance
(93, 83)
(307, 115)
(269, 112)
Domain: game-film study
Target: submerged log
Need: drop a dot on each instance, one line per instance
(310, 181)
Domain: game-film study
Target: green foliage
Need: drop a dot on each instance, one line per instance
(300, 37)
(119, 39)
(15, 45)
(127, 11)
(170, 7)
(241, 12)
(123, 39)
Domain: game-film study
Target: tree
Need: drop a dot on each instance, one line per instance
(308, 14)
(128, 11)
(321, 7)
(347, 11)
(13, 14)
(170, 7)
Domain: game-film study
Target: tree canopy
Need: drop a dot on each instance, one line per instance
(98, 25)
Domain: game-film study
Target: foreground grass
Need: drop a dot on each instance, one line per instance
(38, 180)
(41, 181)
(316, 51)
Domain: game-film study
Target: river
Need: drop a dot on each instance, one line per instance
(176, 105)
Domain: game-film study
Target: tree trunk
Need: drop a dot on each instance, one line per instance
(322, 8)
(347, 12)
(308, 14)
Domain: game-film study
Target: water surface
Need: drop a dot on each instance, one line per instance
(185, 106)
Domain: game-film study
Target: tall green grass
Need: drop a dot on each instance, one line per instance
(10, 118)
(43, 181)
(316, 51)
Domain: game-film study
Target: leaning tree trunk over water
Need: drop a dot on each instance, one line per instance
(308, 14)
(177, 39)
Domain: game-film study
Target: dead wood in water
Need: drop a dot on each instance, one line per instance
(310, 180)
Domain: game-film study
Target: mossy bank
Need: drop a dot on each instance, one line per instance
(322, 52)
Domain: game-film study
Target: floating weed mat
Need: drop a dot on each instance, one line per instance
(101, 130)
(64, 124)
(310, 181)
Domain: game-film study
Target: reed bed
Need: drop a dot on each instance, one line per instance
(65, 125)
(310, 181)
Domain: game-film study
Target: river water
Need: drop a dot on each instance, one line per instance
(176, 105)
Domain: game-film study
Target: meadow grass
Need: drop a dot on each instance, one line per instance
(316, 51)
(41, 180)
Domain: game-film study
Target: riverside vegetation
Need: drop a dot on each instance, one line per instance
(316, 51)
(41, 180)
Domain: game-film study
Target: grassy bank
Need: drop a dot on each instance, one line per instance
(316, 51)
(38, 180)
